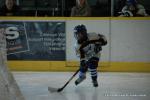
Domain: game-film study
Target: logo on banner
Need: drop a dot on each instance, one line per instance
(15, 38)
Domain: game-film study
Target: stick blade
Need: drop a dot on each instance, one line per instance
(52, 90)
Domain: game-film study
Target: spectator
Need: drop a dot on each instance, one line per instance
(133, 8)
(119, 4)
(10, 9)
(81, 9)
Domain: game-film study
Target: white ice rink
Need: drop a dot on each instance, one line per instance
(112, 86)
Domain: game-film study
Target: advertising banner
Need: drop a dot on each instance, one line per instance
(35, 40)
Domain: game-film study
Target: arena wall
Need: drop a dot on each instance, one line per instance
(127, 50)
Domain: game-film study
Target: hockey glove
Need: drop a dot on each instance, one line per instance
(83, 66)
(83, 63)
(97, 48)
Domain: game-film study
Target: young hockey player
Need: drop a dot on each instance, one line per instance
(88, 47)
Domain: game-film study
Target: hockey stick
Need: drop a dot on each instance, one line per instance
(51, 89)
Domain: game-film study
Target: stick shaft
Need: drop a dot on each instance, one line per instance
(70, 79)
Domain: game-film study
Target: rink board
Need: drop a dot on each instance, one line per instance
(61, 66)
(133, 56)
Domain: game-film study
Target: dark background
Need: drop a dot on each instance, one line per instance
(60, 7)
(100, 8)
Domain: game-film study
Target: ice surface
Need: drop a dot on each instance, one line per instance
(112, 86)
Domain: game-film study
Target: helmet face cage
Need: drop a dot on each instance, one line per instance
(79, 29)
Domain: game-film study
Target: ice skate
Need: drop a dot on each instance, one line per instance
(79, 80)
(95, 83)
